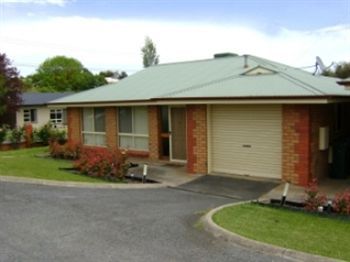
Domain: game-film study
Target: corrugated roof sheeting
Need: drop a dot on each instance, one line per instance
(221, 77)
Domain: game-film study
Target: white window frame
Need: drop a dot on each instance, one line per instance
(132, 134)
(27, 115)
(56, 120)
(102, 134)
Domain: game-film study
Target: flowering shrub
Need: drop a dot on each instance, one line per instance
(314, 198)
(69, 150)
(341, 203)
(102, 162)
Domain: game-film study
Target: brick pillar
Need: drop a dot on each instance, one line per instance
(154, 129)
(296, 147)
(111, 127)
(74, 122)
(197, 139)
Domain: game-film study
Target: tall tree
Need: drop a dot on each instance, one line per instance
(62, 73)
(10, 90)
(149, 53)
(342, 70)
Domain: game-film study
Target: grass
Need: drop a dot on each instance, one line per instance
(24, 163)
(294, 230)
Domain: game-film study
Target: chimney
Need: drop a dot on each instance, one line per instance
(345, 82)
(245, 61)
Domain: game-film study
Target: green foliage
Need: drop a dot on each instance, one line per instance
(58, 135)
(149, 53)
(16, 135)
(3, 133)
(342, 70)
(114, 74)
(61, 74)
(44, 133)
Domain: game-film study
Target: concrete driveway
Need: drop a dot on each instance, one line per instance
(45, 223)
(232, 187)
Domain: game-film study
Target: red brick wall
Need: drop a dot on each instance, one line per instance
(296, 149)
(74, 122)
(154, 129)
(197, 139)
(111, 127)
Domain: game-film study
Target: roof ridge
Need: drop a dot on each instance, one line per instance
(194, 61)
(301, 83)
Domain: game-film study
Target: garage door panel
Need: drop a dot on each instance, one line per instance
(246, 139)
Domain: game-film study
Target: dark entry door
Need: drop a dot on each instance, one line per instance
(178, 133)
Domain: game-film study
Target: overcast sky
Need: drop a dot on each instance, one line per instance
(108, 34)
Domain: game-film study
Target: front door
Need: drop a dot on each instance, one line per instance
(178, 133)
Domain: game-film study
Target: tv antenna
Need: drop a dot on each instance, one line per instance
(319, 66)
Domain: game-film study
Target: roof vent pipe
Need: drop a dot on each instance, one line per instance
(245, 61)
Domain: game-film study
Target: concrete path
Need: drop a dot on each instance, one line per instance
(48, 223)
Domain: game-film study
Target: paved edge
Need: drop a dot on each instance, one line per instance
(293, 255)
(45, 182)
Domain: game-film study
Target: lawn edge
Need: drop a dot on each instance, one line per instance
(220, 232)
(46, 182)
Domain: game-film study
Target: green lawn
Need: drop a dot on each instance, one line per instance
(305, 232)
(24, 163)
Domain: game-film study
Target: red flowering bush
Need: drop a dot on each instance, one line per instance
(68, 150)
(341, 203)
(101, 162)
(314, 198)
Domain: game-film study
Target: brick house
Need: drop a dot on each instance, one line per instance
(232, 114)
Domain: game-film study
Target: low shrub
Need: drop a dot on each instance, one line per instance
(57, 135)
(3, 133)
(16, 136)
(47, 134)
(314, 198)
(102, 162)
(341, 203)
(69, 150)
(43, 134)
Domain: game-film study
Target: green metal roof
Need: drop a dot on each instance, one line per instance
(224, 77)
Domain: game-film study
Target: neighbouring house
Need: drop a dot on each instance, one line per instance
(231, 114)
(34, 110)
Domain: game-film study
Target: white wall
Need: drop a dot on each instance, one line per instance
(43, 116)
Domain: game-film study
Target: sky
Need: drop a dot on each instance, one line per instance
(109, 34)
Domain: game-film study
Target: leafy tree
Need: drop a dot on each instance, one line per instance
(10, 90)
(342, 70)
(114, 74)
(149, 53)
(62, 73)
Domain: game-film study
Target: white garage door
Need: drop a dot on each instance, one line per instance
(246, 140)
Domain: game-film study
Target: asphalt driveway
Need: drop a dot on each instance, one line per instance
(45, 223)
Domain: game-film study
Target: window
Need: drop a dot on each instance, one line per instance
(30, 115)
(58, 116)
(94, 127)
(133, 128)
